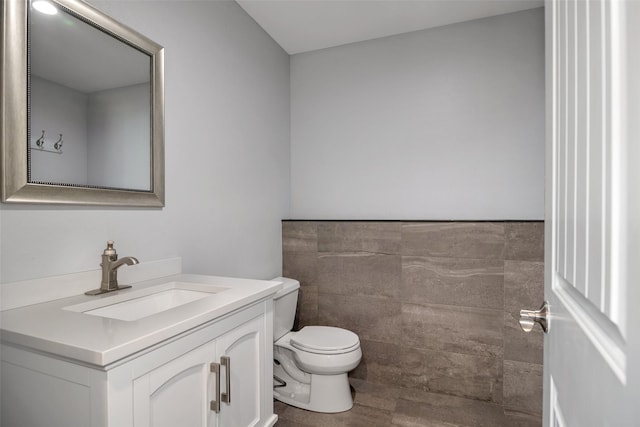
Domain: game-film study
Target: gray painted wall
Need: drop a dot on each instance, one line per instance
(442, 123)
(119, 127)
(57, 109)
(227, 157)
(94, 151)
(445, 123)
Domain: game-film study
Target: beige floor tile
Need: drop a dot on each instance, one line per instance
(358, 416)
(447, 410)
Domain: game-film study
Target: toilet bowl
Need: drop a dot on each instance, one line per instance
(311, 365)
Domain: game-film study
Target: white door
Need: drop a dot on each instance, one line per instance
(592, 282)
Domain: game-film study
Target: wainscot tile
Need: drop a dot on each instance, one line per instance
(524, 241)
(454, 281)
(299, 236)
(418, 408)
(519, 345)
(523, 285)
(374, 395)
(376, 319)
(523, 288)
(474, 377)
(453, 329)
(523, 387)
(375, 237)
(302, 266)
(359, 274)
(307, 308)
(453, 239)
(380, 363)
(516, 419)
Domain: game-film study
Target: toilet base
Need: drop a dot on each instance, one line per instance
(326, 393)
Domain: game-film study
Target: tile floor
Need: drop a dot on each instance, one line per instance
(378, 406)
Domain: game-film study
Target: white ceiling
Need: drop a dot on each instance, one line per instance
(67, 51)
(305, 25)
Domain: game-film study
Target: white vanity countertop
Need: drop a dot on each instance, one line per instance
(50, 328)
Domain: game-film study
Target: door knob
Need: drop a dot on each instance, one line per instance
(528, 318)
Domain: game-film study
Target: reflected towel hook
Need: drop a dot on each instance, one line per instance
(58, 143)
(40, 141)
(41, 145)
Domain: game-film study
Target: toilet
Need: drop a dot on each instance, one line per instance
(310, 366)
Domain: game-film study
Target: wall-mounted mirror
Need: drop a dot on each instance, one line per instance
(82, 120)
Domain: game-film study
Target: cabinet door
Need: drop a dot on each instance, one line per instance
(242, 383)
(178, 392)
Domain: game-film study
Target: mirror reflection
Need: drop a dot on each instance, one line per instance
(90, 105)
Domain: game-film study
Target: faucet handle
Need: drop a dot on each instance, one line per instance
(110, 249)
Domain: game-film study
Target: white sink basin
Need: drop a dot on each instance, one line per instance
(135, 305)
(146, 306)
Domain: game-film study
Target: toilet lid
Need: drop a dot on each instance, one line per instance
(325, 340)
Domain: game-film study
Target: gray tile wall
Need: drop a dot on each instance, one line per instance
(435, 303)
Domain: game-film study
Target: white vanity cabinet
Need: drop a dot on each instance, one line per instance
(172, 384)
(216, 384)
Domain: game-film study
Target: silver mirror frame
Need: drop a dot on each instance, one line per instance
(14, 120)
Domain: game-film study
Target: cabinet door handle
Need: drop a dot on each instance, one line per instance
(226, 362)
(215, 404)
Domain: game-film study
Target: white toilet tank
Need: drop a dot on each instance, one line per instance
(284, 307)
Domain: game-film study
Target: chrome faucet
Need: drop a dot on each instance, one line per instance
(110, 264)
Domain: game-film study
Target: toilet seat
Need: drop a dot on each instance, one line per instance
(324, 340)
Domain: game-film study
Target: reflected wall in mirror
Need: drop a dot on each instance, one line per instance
(89, 128)
(95, 91)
